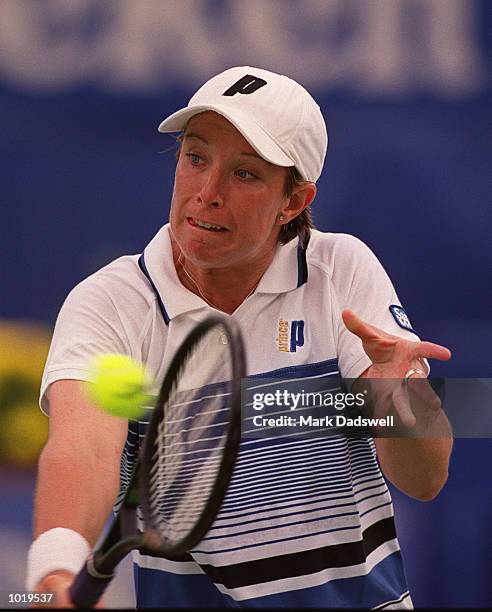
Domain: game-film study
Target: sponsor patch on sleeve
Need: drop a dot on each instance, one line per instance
(401, 317)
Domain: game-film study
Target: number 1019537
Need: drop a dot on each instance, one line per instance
(30, 598)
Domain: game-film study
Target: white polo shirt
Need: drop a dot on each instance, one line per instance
(306, 522)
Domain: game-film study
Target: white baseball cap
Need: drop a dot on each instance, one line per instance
(276, 115)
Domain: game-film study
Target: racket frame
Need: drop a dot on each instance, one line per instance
(233, 435)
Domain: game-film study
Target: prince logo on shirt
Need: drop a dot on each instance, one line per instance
(290, 335)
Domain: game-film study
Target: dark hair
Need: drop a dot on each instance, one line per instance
(302, 224)
(299, 226)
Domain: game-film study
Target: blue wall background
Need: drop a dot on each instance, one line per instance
(405, 88)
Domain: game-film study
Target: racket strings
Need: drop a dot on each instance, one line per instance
(191, 438)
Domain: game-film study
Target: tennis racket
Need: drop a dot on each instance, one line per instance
(187, 459)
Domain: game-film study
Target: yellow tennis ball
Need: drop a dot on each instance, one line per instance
(119, 385)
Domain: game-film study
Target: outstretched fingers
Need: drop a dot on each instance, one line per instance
(358, 327)
(429, 350)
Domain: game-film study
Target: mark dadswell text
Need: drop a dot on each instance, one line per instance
(332, 421)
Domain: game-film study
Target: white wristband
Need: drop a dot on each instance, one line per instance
(55, 549)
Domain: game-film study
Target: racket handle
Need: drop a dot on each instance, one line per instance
(87, 589)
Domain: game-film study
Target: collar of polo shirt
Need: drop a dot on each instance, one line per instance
(281, 276)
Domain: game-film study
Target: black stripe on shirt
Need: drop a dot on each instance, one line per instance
(185, 557)
(143, 268)
(305, 562)
(302, 269)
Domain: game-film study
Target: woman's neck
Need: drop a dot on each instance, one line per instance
(223, 289)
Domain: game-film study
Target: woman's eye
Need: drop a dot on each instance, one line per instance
(245, 174)
(194, 159)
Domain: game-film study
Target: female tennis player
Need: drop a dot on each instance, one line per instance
(307, 519)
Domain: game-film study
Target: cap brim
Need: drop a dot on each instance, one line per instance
(257, 137)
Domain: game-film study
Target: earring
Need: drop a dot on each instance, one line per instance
(281, 217)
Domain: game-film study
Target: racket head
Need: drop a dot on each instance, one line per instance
(192, 441)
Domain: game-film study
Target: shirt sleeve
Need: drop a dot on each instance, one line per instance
(88, 324)
(361, 284)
